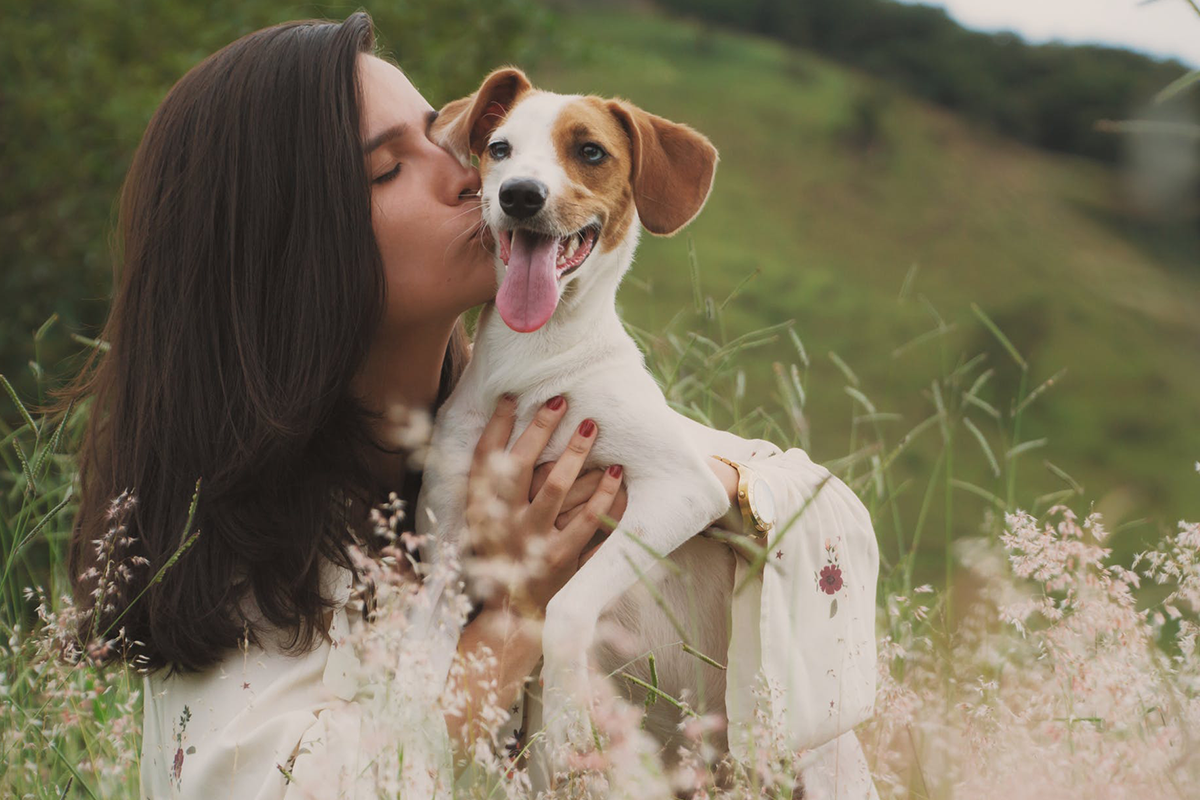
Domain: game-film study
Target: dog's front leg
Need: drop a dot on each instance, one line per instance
(661, 514)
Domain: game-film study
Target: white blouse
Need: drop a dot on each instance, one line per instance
(265, 725)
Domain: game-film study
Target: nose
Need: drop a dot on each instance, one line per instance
(521, 198)
(468, 182)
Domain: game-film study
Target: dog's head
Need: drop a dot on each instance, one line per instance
(565, 179)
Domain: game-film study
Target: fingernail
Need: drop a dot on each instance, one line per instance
(615, 470)
(509, 397)
(587, 427)
(555, 403)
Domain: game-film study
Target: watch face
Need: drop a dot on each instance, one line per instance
(763, 503)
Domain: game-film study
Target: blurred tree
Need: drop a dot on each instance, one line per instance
(1047, 95)
(79, 81)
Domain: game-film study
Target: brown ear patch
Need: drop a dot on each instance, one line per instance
(672, 170)
(463, 125)
(601, 189)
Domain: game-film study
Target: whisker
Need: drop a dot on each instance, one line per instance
(467, 210)
(468, 232)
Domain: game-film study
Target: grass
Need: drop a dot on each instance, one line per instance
(1013, 644)
(823, 232)
(76, 729)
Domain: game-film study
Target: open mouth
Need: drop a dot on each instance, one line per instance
(571, 250)
(536, 264)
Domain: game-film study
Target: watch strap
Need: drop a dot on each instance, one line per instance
(745, 474)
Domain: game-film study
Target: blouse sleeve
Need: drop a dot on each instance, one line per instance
(805, 618)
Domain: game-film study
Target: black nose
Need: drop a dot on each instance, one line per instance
(522, 197)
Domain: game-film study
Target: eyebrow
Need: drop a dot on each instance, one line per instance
(395, 132)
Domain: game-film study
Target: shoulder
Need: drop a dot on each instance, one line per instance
(229, 725)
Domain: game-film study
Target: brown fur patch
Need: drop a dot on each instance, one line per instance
(462, 125)
(602, 189)
(673, 167)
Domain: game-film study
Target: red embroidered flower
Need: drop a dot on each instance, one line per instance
(177, 771)
(831, 579)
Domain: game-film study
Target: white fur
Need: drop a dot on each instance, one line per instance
(584, 353)
(532, 154)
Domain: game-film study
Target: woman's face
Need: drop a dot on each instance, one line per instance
(423, 209)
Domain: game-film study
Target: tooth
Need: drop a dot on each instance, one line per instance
(572, 247)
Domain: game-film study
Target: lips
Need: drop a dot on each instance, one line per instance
(536, 265)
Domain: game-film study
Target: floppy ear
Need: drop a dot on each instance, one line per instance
(672, 171)
(462, 125)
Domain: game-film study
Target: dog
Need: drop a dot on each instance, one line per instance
(568, 183)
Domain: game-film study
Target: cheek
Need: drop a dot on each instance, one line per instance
(620, 209)
(426, 271)
(402, 235)
(396, 220)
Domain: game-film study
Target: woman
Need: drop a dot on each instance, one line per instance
(296, 259)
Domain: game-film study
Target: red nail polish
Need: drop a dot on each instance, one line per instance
(555, 403)
(615, 470)
(587, 427)
(510, 397)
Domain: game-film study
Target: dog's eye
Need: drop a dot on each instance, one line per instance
(499, 149)
(592, 153)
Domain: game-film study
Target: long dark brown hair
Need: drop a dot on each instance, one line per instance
(248, 289)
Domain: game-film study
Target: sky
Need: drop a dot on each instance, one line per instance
(1163, 28)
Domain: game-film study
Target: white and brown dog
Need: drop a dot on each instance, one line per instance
(568, 182)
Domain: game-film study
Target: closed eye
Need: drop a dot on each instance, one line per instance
(389, 175)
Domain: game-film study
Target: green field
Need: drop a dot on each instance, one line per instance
(834, 226)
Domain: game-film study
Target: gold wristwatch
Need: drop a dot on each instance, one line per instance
(754, 498)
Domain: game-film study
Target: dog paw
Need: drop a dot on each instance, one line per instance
(570, 739)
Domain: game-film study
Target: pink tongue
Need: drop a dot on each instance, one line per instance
(529, 294)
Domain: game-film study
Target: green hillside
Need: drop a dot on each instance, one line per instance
(835, 184)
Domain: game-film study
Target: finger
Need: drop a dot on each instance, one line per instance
(591, 551)
(615, 512)
(548, 503)
(581, 529)
(618, 508)
(533, 439)
(540, 473)
(564, 519)
(582, 489)
(593, 544)
(495, 434)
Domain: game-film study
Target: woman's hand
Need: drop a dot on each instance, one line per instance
(514, 526)
(575, 502)
(586, 485)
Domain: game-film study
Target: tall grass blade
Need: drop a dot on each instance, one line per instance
(1000, 337)
(844, 367)
(906, 284)
(740, 286)
(1078, 487)
(24, 412)
(1039, 390)
(799, 345)
(978, 490)
(987, 450)
(30, 486)
(1013, 452)
(184, 545)
(694, 275)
